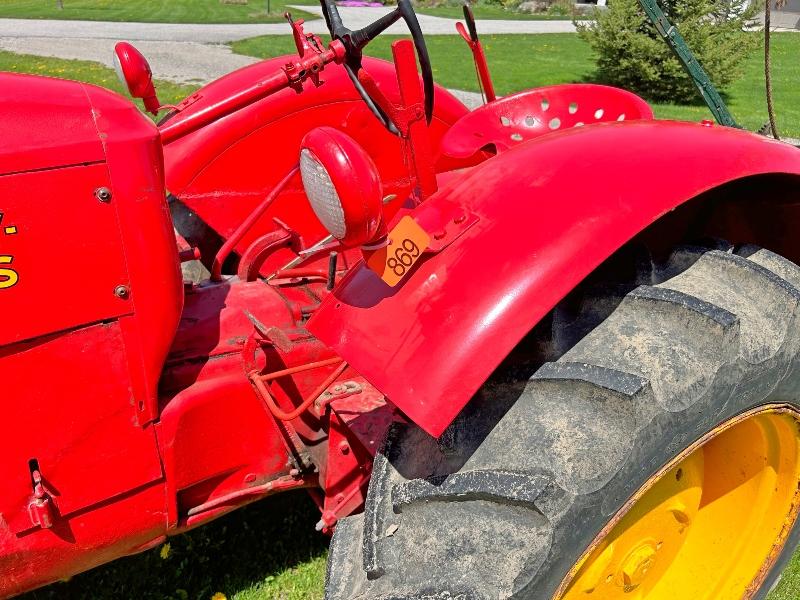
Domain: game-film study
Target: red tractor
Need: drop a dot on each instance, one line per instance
(536, 350)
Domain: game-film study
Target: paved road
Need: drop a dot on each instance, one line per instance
(181, 62)
(197, 53)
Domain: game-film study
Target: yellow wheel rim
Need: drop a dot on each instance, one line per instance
(708, 525)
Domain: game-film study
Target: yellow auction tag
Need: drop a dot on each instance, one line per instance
(407, 242)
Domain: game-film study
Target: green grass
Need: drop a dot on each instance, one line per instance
(210, 11)
(789, 586)
(90, 72)
(519, 62)
(486, 11)
(150, 11)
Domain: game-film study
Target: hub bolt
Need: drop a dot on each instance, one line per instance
(636, 566)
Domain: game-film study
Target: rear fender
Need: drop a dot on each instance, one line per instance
(548, 213)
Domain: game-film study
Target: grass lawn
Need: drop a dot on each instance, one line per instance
(519, 62)
(487, 11)
(269, 550)
(209, 11)
(150, 11)
(91, 72)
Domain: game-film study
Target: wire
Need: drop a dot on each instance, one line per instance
(768, 69)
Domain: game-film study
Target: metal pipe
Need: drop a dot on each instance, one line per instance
(298, 369)
(247, 224)
(291, 73)
(278, 413)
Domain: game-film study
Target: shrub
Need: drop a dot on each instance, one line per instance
(631, 54)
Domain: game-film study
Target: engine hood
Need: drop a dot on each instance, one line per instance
(49, 123)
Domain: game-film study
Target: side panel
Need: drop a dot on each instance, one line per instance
(548, 212)
(66, 402)
(52, 218)
(91, 538)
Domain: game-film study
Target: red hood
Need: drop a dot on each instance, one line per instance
(49, 123)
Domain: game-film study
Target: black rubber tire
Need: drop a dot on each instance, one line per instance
(505, 503)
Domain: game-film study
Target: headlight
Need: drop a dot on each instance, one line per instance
(343, 186)
(134, 72)
(322, 194)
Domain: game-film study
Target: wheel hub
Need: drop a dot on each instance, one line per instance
(708, 525)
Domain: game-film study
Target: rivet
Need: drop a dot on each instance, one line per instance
(250, 478)
(460, 219)
(122, 291)
(344, 447)
(103, 194)
(439, 235)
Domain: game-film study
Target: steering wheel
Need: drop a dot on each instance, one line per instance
(355, 42)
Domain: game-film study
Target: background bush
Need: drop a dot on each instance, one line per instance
(631, 54)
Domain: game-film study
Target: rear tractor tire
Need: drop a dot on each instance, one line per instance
(657, 458)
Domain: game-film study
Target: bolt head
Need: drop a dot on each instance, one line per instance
(636, 566)
(122, 291)
(103, 194)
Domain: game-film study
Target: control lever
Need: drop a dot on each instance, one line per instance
(470, 35)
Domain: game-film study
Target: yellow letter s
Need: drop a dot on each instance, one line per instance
(8, 277)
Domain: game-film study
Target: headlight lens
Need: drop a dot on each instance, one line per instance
(322, 194)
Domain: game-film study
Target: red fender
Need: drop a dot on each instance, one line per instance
(544, 215)
(222, 171)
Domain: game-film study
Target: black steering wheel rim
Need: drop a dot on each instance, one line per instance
(355, 42)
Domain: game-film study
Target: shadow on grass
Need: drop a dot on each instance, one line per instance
(250, 551)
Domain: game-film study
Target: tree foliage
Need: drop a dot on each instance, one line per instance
(631, 54)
